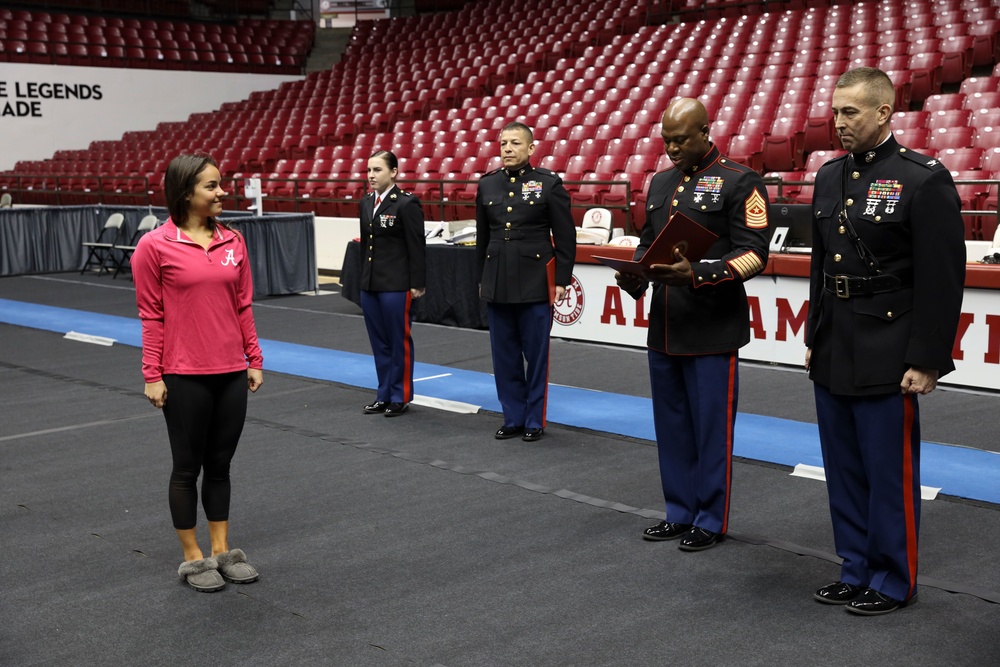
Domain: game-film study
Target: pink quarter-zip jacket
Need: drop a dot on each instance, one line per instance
(194, 304)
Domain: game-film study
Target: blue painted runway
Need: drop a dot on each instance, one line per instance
(957, 471)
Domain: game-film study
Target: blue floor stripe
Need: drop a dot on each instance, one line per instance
(959, 471)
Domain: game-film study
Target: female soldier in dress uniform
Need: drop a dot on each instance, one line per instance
(392, 275)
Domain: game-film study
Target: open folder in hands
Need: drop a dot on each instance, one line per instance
(681, 233)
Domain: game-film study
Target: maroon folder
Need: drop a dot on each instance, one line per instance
(680, 232)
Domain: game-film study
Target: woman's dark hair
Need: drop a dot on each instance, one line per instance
(179, 182)
(389, 158)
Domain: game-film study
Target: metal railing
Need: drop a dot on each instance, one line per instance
(68, 190)
(438, 196)
(782, 191)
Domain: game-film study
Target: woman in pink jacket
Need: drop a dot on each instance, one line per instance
(199, 356)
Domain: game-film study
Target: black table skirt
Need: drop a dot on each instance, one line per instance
(452, 296)
(282, 246)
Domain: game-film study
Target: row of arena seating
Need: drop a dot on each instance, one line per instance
(249, 45)
(594, 96)
(143, 7)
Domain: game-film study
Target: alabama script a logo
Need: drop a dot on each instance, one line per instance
(568, 309)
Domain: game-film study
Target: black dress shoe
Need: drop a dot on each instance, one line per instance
(838, 593)
(505, 432)
(396, 409)
(699, 539)
(533, 434)
(665, 531)
(873, 603)
(376, 407)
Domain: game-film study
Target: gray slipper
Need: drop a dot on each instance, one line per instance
(202, 575)
(234, 567)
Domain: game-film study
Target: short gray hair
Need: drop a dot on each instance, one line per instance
(877, 84)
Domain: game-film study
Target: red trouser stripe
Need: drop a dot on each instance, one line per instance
(407, 352)
(908, 491)
(730, 416)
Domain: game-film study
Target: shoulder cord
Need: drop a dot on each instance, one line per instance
(866, 255)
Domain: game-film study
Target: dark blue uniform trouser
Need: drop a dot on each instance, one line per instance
(694, 413)
(871, 454)
(519, 338)
(387, 318)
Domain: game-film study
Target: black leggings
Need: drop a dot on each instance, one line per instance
(205, 415)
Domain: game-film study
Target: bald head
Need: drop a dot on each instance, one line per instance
(684, 130)
(687, 110)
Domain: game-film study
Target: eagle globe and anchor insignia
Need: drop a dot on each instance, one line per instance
(567, 310)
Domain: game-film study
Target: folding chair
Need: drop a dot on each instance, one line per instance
(147, 224)
(101, 248)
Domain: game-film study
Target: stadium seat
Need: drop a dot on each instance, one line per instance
(817, 159)
(784, 192)
(944, 102)
(592, 148)
(903, 82)
(747, 149)
(905, 120)
(956, 64)
(818, 134)
(622, 148)
(915, 138)
(893, 49)
(948, 119)
(951, 137)
(991, 161)
(783, 145)
(962, 159)
(982, 84)
(38, 53)
(641, 163)
(925, 69)
(986, 41)
(607, 165)
(983, 100)
(987, 137)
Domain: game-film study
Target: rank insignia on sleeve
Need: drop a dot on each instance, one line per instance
(755, 209)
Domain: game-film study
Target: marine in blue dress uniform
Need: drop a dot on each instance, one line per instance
(886, 282)
(698, 320)
(393, 273)
(526, 247)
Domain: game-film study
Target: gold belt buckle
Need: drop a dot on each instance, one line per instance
(842, 287)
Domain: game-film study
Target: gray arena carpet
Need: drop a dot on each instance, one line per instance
(422, 540)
